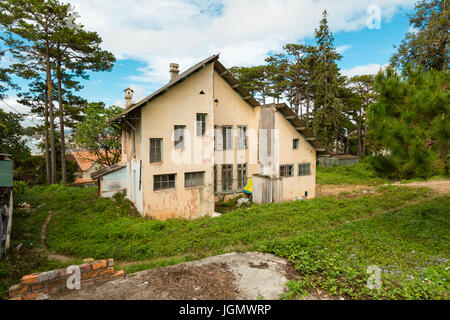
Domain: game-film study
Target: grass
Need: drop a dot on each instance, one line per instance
(361, 174)
(25, 232)
(331, 241)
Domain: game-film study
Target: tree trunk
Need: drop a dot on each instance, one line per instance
(47, 155)
(360, 147)
(61, 127)
(52, 118)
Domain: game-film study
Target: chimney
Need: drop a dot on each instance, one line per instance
(128, 97)
(174, 70)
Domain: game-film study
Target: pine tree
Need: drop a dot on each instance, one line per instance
(427, 45)
(409, 119)
(327, 80)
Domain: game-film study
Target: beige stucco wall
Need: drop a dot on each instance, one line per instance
(179, 106)
(297, 185)
(232, 110)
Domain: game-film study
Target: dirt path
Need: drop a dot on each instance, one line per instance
(441, 187)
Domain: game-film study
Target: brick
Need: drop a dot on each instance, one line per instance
(99, 265)
(89, 275)
(16, 298)
(88, 260)
(36, 287)
(29, 279)
(31, 295)
(119, 274)
(85, 267)
(106, 272)
(110, 262)
(17, 290)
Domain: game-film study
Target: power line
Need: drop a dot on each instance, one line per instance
(19, 112)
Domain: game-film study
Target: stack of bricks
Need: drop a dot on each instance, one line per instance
(46, 284)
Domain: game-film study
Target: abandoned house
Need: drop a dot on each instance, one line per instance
(200, 138)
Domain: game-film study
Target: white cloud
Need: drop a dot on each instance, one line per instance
(371, 68)
(13, 106)
(158, 32)
(342, 49)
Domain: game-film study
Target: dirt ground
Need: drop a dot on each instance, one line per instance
(441, 187)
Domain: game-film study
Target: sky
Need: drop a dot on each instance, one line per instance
(147, 35)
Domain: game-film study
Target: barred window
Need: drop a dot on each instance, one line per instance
(241, 176)
(194, 179)
(201, 124)
(227, 137)
(242, 138)
(227, 177)
(304, 169)
(155, 150)
(164, 181)
(179, 137)
(295, 144)
(287, 170)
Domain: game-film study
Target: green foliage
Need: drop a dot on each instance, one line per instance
(426, 46)
(409, 119)
(358, 174)
(97, 136)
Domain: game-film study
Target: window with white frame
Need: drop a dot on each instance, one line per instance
(156, 150)
(164, 181)
(201, 124)
(243, 143)
(287, 170)
(227, 137)
(304, 169)
(194, 179)
(227, 177)
(241, 176)
(179, 137)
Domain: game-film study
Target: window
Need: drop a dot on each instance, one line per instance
(227, 177)
(156, 150)
(287, 170)
(179, 137)
(194, 179)
(163, 181)
(241, 176)
(217, 139)
(295, 144)
(227, 137)
(215, 178)
(201, 124)
(242, 138)
(304, 169)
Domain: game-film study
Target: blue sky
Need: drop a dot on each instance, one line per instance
(146, 36)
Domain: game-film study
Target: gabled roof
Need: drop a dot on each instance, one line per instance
(220, 69)
(300, 126)
(84, 159)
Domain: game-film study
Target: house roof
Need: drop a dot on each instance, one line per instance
(80, 181)
(219, 67)
(344, 156)
(84, 159)
(100, 173)
(300, 126)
